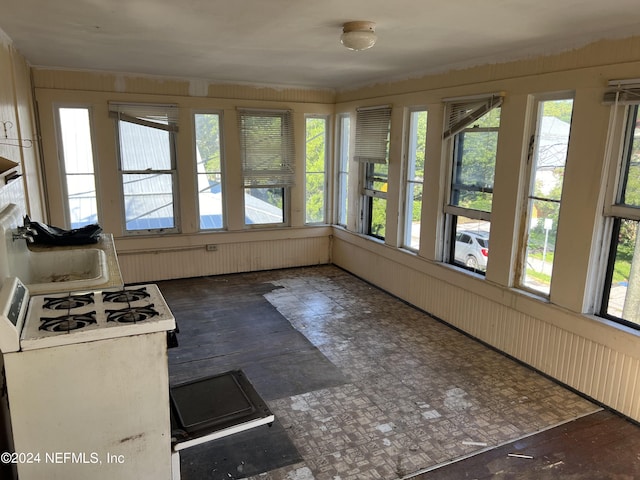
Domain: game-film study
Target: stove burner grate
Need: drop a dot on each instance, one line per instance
(67, 323)
(125, 296)
(68, 302)
(132, 314)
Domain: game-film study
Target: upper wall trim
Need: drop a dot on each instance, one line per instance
(597, 54)
(58, 79)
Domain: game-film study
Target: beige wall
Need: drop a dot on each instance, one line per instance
(558, 335)
(18, 138)
(18, 144)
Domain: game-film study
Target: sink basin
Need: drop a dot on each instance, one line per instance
(61, 270)
(50, 271)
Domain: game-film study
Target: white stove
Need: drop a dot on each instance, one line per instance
(84, 316)
(104, 352)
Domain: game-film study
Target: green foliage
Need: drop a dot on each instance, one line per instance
(561, 109)
(421, 141)
(539, 276)
(417, 203)
(208, 141)
(627, 240)
(315, 159)
(476, 163)
(378, 217)
(417, 173)
(548, 209)
(272, 196)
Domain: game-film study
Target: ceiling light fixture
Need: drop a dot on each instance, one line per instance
(358, 35)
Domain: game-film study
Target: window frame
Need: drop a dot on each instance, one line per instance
(462, 113)
(220, 114)
(369, 196)
(528, 193)
(343, 142)
(62, 160)
(625, 113)
(371, 149)
(284, 174)
(411, 180)
(116, 110)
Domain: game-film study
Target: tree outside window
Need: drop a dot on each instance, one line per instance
(547, 158)
(315, 166)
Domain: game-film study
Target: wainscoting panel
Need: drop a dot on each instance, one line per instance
(196, 261)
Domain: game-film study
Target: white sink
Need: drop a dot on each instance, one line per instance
(62, 270)
(56, 270)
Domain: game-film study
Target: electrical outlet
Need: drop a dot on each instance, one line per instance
(212, 248)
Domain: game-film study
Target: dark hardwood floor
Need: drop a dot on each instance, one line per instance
(226, 323)
(602, 445)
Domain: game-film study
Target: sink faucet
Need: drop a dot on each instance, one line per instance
(26, 233)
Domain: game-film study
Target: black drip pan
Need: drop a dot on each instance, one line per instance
(212, 404)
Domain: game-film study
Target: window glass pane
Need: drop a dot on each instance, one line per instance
(75, 132)
(415, 171)
(209, 170)
(148, 201)
(631, 186)
(147, 169)
(264, 205)
(414, 212)
(549, 159)
(375, 199)
(378, 221)
(343, 169)
(377, 177)
(76, 140)
(471, 243)
(475, 162)
(315, 164)
(143, 148)
(314, 197)
(81, 200)
(624, 278)
(541, 245)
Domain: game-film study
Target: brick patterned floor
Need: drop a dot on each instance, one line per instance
(420, 393)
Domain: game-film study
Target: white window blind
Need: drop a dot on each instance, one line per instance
(266, 147)
(623, 92)
(372, 134)
(164, 117)
(463, 112)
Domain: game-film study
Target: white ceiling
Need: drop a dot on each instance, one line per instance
(296, 42)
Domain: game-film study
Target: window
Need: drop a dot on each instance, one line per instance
(547, 157)
(343, 168)
(315, 166)
(209, 170)
(414, 178)
(375, 199)
(372, 151)
(621, 293)
(472, 131)
(74, 127)
(146, 140)
(267, 154)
